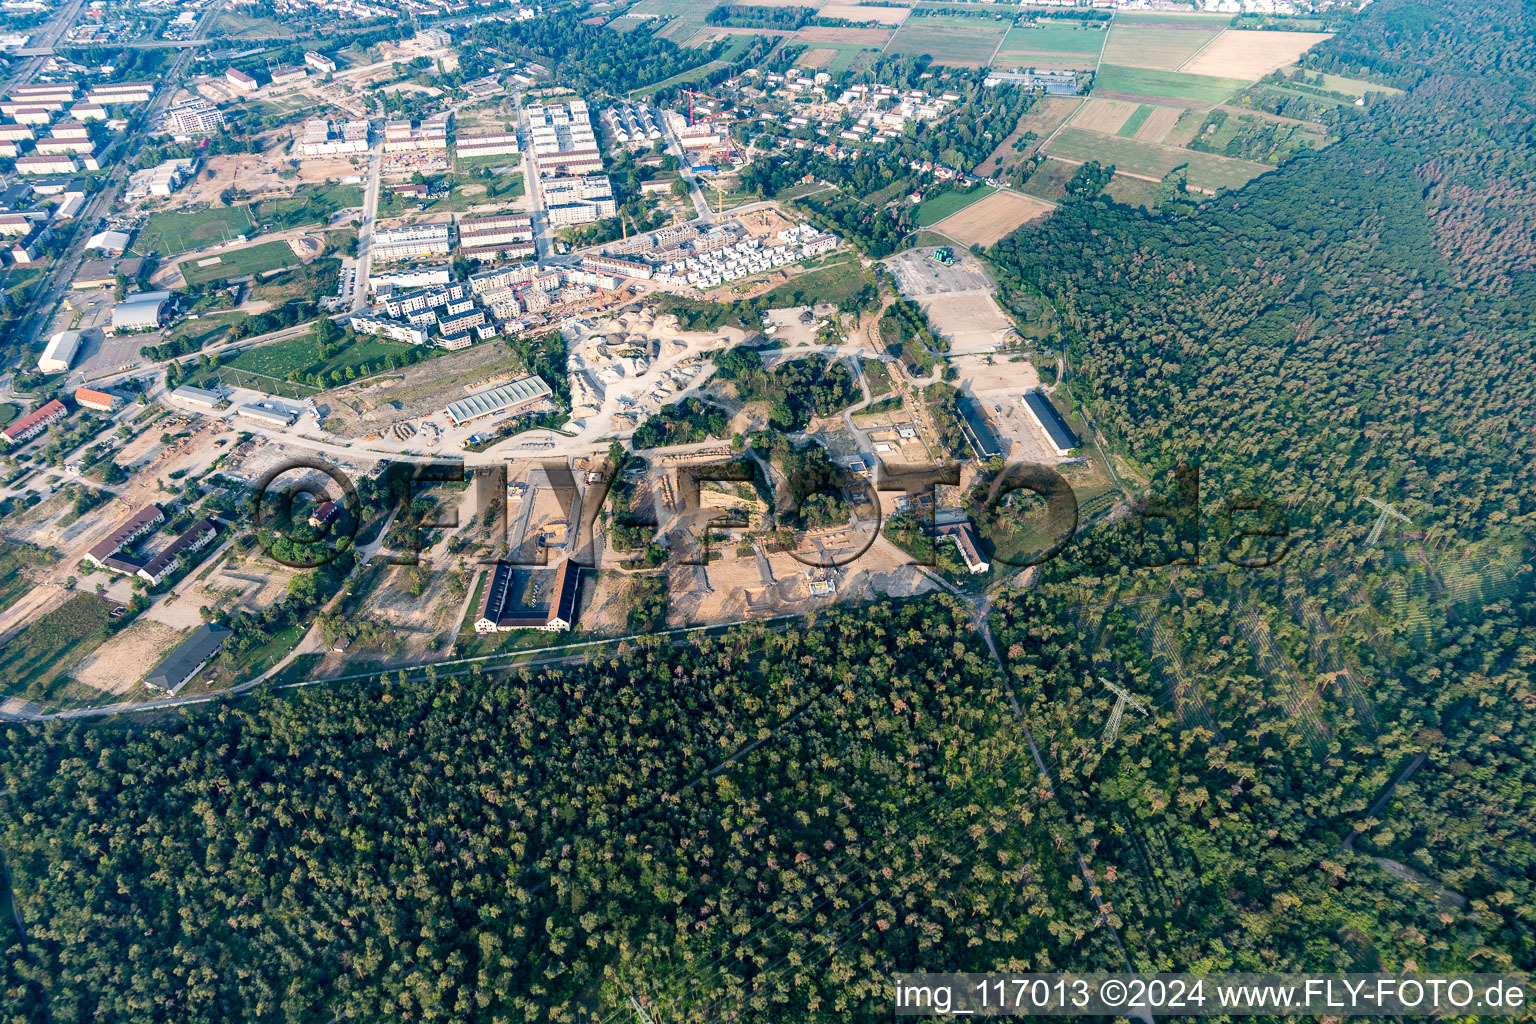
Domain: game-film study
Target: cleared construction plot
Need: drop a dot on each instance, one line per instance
(1148, 160)
(984, 222)
(1148, 46)
(959, 43)
(971, 321)
(1151, 84)
(1251, 55)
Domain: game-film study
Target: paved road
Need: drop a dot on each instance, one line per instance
(365, 232)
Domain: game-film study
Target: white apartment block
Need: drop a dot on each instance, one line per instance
(383, 327)
(320, 62)
(402, 137)
(121, 92)
(414, 241)
(194, 118)
(240, 81)
(324, 138)
(487, 231)
(563, 141)
(579, 200)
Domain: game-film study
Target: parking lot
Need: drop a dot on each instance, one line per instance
(918, 274)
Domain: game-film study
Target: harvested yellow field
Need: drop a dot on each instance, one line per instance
(863, 36)
(856, 13)
(1157, 125)
(1105, 116)
(987, 220)
(817, 58)
(1146, 46)
(1252, 54)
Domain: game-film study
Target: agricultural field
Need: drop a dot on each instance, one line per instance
(682, 18)
(1105, 116)
(1158, 125)
(1025, 42)
(1198, 90)
(257, 259)
(1250, 55)
(38, 659)
(858, 12)
(1149, 46)
(835, 58)
(1047, 115)
(1131, 156)
(984, 223)
(960, 43)
(941, 206)
(819, 35)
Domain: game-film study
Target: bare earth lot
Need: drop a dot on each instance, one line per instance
(971, 321)
(987, 220)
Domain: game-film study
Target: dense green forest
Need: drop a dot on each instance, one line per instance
(1333, 769)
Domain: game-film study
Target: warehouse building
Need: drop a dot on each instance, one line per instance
(1060, 436)
(271, 413)
(978, 432)
(509, 397)
(141, 312)
(188, 660)
(198, 396)
(60, 352)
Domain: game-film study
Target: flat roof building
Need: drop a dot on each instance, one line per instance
(198, 396)
(273, 413)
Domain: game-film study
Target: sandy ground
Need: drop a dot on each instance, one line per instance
(249, 172)
(1251, 54)
(118, 666)
(971, 321)
(987, 220)
(918, 275)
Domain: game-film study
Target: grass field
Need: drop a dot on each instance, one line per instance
(317, 278)
(308, 204)
(38, 659)
(1132, 191)
(1052, 39)
(1148, 46)
(8, 412)
(1135, 121)
(964, 43)
(843, 56)
(1344, 86)
(1049, 182)
(14, 559)
(302, 355)
(206, 328)
(184, 231)
(936, 209)
(1144, 158)
(835, 283)
(878, 376)
(1154, 82)
(255, 260)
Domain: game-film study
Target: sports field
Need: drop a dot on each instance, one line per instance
(185, 230)
(1252, 54)
(936, 209)
(1132, 156)
(1172, 84)
(983, 223)
(957, 42)
(238, 262)
(1152, 46)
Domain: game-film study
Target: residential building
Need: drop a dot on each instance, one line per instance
(963, 535)
(286, 75)
(34, 422)
(617, 265)
(497, 610)
(563, 141)
(413, 241)
(100, 401)
(124, 92)
(579, 200)
(104, 553)
(489, 231)
(194, 117)
(240, 81)
(165, 561)
(403, 137)
(320, 62)
(384, 327)
(55, 163)
(487, 143)
(410, 277)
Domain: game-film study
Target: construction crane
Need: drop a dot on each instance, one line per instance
(692, 97)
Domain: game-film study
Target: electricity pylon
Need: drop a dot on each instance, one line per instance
(1122, 701)
(1387, 512)
(645, 1018)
